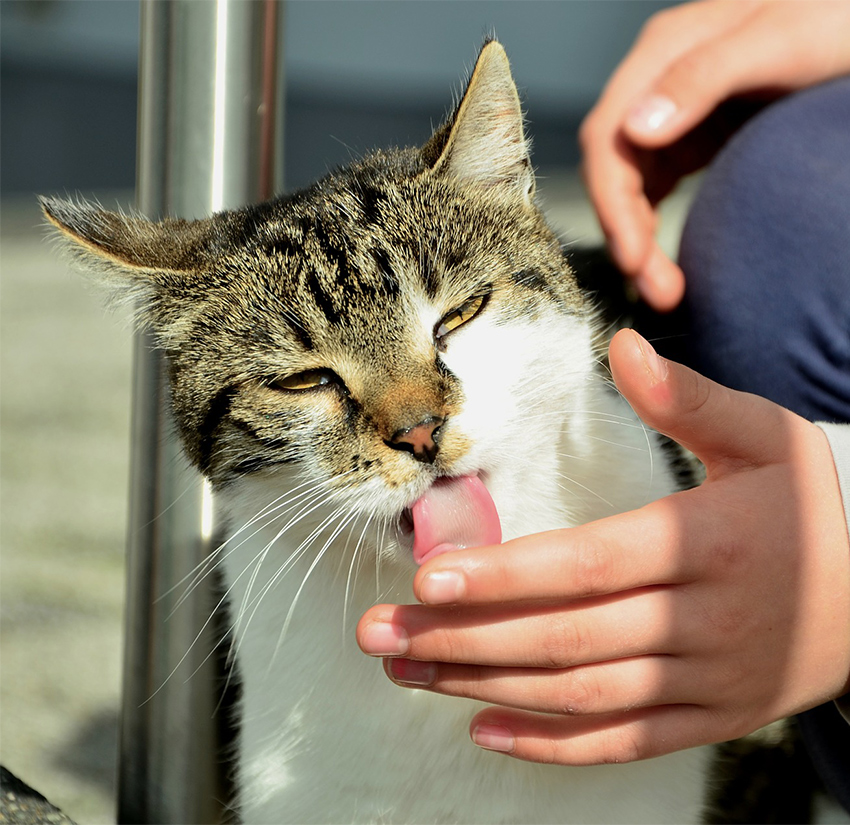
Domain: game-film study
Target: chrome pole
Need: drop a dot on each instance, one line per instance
(209, 138)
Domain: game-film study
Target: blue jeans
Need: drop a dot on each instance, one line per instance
(766, 254)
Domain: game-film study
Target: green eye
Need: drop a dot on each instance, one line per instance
(458, 317)
(307, 380)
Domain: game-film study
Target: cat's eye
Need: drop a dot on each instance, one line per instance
(458, 317)
(307, 380)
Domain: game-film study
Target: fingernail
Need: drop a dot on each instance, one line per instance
(442, 587)
(651, 114)
(408, 672)
(385, 639)
(656, 365)
(493, 738)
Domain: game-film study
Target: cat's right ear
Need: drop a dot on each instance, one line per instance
(485, 144)
(135, 259)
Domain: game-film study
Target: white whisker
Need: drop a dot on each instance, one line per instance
(586, 488)
(339, 528)
(351, 581)
(210, 561)
(247, 601)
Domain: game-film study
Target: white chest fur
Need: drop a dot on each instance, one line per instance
(325, 737)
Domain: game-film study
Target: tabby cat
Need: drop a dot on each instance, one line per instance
(405, 331)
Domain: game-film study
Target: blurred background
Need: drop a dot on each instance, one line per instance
(359, 74)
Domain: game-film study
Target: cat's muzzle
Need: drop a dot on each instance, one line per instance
(422, 440)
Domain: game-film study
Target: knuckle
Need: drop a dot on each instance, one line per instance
(659, 22)
(732, 622)
(653, 27)
(468, 683)
(549, 753)
(593, 568)
(553, 653)
(695, 70)
(579, 692)
(565, 643)
(720, 626)
(627, 745)
(723, 561)
(672, 23)
(444, 645)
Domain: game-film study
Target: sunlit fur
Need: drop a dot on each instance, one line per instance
(353, 277)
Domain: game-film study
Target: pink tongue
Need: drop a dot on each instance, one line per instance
(453, 513)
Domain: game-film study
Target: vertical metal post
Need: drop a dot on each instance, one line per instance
(210, 138)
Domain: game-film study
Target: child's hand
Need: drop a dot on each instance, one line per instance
(695, 619)
(660, 116)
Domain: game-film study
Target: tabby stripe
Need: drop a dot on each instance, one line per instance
(334, 253)
(371, 200)
(245, 427)
(256, 463)
(322, 298)
(297, 325)
(266, 441)
(429, 276)
(453, 258)
(218, 409)
(532, 278)
(388, 278)
(282, 246)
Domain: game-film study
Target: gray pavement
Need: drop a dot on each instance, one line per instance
(64, 423)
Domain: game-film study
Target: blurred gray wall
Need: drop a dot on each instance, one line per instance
(360, 74)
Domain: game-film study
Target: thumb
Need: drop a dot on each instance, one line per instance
(720, 426)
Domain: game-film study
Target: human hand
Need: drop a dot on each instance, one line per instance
(695, 73)
(695, 619)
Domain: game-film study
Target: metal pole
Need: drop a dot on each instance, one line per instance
(210, 138)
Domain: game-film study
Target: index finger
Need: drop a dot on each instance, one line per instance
(636, 549)
(615, 187)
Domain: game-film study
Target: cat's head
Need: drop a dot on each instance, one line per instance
(408, 317)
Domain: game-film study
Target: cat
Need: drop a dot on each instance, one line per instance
(406, 326)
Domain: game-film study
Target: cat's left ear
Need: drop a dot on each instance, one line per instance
(486, 142)
(140, 262)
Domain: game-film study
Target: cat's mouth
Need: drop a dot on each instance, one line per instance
(454, 512)
(405, 523)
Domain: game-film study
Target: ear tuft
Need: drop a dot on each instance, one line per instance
(128, 240)
(131, 257)
(485, 142)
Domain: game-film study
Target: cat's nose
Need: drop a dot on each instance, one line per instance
(421, 439)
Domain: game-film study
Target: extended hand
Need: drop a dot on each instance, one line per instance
(695, 619)
(660, 116)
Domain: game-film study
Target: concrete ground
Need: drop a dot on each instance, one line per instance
(65, 412)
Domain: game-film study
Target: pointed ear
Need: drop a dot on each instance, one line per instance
(485, 142)
(135, 259)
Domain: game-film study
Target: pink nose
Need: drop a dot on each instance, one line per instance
(422, 439)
